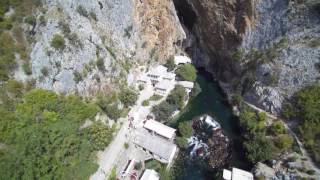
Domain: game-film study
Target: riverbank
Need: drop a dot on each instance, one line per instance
(214, 102)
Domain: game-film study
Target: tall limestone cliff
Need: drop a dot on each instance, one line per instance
(101, 41)
(264, 50)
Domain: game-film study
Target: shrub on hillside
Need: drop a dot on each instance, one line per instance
(145, 103)
(82, 11)
(30, 20)
(100, 65)
(277, 128)
(283, 141)
(58, 42)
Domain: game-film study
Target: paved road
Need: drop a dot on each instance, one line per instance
(110, 156)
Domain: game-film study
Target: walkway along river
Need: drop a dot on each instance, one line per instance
(211, 101)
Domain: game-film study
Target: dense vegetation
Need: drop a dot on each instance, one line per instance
(262, 142)
(128, 97)
(109, 105)
(12, 38)
(305, 107)
(185, 132)
(42, 136)
(174, 101)
(187, 72)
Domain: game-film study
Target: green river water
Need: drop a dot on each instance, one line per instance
(212, 101)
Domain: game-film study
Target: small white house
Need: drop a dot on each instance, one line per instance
(237, 174)
(187, 85)
(156, 73)
(181, 60)
(150, 174)
(169, 76)
(160, 129)
(143, 79)
(163, 87)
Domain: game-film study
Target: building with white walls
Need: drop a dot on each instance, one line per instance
(181, 60)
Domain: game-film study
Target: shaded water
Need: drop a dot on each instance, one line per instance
(211, 101)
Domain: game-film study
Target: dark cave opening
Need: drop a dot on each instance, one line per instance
(185, 13)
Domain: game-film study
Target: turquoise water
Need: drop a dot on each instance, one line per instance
(212, 101)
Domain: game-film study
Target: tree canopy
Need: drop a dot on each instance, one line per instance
(128, 97)
(43, 139)
(304, 106)
(187, 72)
(177, 96)
(258, 149)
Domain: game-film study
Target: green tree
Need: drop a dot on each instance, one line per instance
(128, 97)
(249, 122)
(145, 103)
(187, 72)
(185, 129)
(305, 107)
(182, 142)
(113, 111)
(177, 96)
(163, 111)
(58, 42)
(170, 63)
(258, 149)
(42, 131)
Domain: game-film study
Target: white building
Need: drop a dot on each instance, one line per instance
(187, 85)
(155, 74)
(160, 148)
(160, 129)
(150, 174)
(159, 73)
(144, 79)
(237, 174)
(181, 60)
(163, 87)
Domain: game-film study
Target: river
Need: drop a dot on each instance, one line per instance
(211, 101)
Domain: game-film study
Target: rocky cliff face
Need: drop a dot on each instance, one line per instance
(265, 50)
(103, 40)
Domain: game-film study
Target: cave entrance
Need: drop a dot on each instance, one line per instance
(185, 13)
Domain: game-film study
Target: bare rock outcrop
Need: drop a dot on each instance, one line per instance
(264, 50)
(103, 40)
